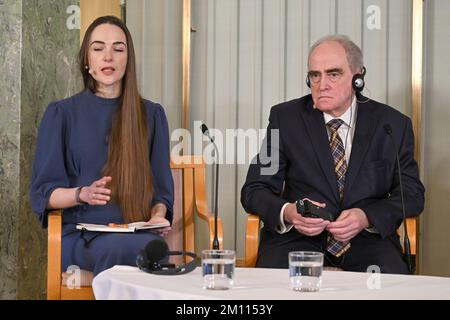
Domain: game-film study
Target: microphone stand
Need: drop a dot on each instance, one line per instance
(215, 243)
(406, 244)
(205, 131)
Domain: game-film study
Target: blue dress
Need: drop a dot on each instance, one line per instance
(71, 150)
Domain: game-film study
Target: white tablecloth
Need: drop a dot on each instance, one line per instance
(125, 282)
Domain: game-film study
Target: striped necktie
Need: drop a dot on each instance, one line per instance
(337, 248)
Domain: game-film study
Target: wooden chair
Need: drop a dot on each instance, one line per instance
(253, 228)
(189, 175)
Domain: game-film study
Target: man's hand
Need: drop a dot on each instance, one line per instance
(307, 226)
(348, 225)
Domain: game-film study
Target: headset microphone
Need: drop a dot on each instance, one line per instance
(154, 257)
(90, 71)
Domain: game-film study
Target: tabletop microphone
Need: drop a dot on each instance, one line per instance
(205, 131)
(406, 244)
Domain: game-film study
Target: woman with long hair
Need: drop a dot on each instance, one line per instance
(103, 156)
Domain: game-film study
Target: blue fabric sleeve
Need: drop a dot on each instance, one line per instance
(49, 171)
(160, 162)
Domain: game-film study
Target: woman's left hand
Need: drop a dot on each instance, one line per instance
(160, 231)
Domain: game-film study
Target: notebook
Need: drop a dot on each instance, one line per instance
(114, 227)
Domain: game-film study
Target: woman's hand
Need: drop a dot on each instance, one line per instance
(157, 220)
(158, 215)
(96, 193)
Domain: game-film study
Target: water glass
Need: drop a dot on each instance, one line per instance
(218, 269)
(305, 270)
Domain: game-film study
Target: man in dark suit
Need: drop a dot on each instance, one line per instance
(331, 147)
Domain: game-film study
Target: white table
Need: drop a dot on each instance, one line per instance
(125, 282)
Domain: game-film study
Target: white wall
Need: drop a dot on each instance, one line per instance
(435, 251)
(156, 29)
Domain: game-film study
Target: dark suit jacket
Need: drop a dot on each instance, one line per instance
(306, 168)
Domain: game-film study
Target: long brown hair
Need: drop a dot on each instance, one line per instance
(128, 160)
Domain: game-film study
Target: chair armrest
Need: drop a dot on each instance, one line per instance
(412, 233)
(251, 240)
(411, 224)
(54, 255)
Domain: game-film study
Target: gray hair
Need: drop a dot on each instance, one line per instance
(353, 52)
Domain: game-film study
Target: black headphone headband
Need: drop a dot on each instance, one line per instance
(167, 268)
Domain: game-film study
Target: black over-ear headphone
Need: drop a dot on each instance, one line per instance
(358, 82)
(156, 252)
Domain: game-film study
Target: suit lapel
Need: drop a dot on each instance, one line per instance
(366, 124)
(315, 125)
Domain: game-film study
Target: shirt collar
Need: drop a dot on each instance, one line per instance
(347, 116)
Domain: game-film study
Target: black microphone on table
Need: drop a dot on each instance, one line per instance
(154, 259)
(205, 131)
(406, 245)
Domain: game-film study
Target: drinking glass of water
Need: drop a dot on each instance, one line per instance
(305, 270)
(218, 269)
